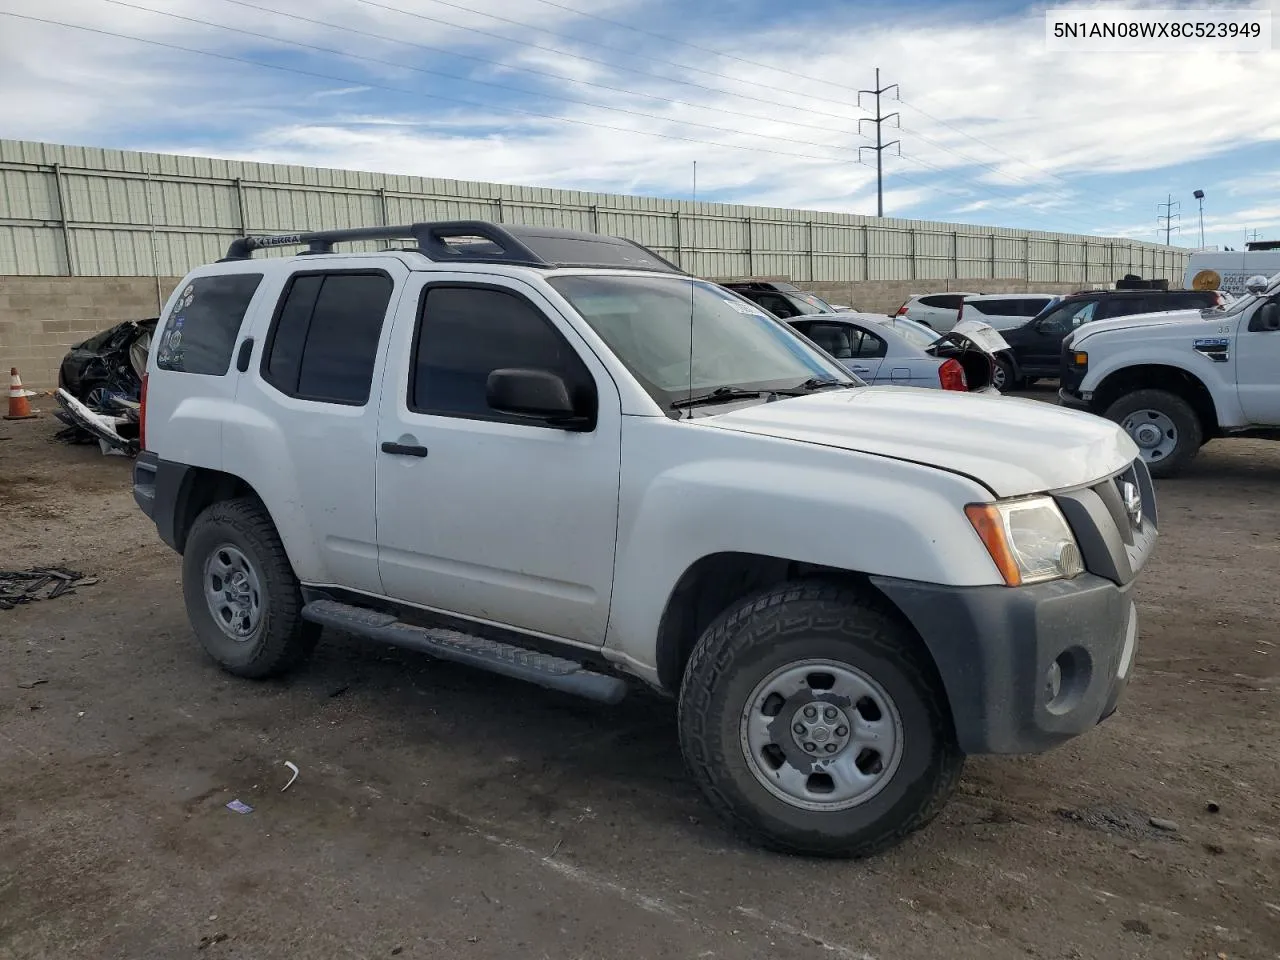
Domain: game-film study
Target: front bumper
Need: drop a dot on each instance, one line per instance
(994, 647)
(1067, 398)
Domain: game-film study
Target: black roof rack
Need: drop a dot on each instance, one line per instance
(478, 241)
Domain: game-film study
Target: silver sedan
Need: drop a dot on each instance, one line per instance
(894, 350)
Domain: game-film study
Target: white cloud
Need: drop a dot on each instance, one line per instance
(1069, 116)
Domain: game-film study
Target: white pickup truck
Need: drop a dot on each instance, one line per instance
(554, 456)
(1178, 379)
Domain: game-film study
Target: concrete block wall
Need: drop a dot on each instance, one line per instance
(40, 317)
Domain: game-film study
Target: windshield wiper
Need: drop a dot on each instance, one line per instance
(719, 395)
(811, 385)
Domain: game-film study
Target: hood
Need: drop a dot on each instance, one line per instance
(1139, 320)
(1012, 446)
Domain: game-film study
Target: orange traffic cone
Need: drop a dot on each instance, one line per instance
(19, 405)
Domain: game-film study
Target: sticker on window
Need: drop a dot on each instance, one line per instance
(748, 309)
(200, 332)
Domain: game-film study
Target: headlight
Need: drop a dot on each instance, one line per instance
(1028, 540)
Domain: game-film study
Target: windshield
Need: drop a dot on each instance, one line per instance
(646, 323)
(816, 301)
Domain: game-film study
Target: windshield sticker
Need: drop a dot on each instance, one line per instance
(745, 308)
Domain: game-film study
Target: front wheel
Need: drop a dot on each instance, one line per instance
(813, 720)
(1002, 376)
(1163, 425)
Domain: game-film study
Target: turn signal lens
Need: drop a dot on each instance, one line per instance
(1080, 358)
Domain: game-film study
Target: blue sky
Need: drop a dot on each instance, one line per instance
(995, 128)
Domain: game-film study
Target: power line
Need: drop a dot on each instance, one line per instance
(484, 83)
(483, 106)
(414, 93)
(615, 66)
(692, 46)
(880, 147)
(531, 70)
(976, 139)
(792, 73)
(593, 43)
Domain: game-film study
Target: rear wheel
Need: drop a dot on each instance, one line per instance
(814, 722)
(1163, 425)
(242, 597)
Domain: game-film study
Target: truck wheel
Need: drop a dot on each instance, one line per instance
(814, 722)
(1163, 425)
(241, 595)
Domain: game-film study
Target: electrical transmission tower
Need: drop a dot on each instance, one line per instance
(1168, 217)
(880, 147)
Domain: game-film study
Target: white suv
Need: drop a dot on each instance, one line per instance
(940, 311)
(1004, 311)
(554, 456)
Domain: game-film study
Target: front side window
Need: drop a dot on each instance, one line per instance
(200, 332)
(465, 333)
(650, 323)
(324, 342)
(1068, 316)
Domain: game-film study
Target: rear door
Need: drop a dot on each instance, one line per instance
(306, 437)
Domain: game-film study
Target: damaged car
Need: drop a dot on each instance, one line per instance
(100, 386)
(886, 350)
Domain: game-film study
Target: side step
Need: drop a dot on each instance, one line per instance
(506, 659)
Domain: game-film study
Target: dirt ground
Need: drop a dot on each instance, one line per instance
(445, 813)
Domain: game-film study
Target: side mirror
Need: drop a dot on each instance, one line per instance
(1256, 284)
(537, 394)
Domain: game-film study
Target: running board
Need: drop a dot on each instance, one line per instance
(504, 658)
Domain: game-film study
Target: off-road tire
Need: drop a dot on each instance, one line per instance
(282, 639)
(1190, 432)
(810, 620)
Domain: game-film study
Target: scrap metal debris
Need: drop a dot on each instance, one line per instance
(107, 430)
(43, 583)
(103, 375)
(294, 767)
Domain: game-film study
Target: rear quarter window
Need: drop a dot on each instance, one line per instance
(200, 332)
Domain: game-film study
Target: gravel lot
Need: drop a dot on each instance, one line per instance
(446, 813)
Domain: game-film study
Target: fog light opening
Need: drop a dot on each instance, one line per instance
(1066, 679)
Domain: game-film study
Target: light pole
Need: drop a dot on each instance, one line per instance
(1199, 195)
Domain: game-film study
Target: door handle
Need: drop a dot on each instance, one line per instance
(404, 449)
(860, 369)
(242, 358)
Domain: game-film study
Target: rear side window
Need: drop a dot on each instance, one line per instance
(465, 333)
(200, 332)
(324, 341)
(944, 301)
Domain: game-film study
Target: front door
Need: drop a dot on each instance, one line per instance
(1258, 364)
(481, 514)
(1041, 353)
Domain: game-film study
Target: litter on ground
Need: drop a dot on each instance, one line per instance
(42, 583)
